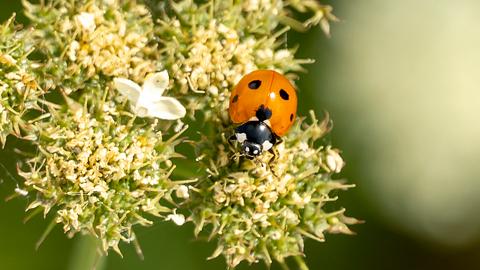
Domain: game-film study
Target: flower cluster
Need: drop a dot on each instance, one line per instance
(263, 209)
(19, 89)
(86, 39)
(103, 161)
(257, 210)
(208, 53)
(99, 167)
(101, 173)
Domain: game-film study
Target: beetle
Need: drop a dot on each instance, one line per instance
(264, 105)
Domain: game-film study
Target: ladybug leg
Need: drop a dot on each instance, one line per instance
(232, 138)
(273, 150)
(235, 157)
(278, 140)
(231, 141)
(274, 155)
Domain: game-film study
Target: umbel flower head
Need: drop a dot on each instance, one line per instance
(262, 209)
(104, 156)
(87, 39)
(97, 166)
(19, 89)
(101, 173)
(208, 47)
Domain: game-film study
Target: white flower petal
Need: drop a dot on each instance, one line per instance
(87, 21)
(155, 84)
(128, 88)
(167, 108)
(178, 219)
(141, 111)
(21, 191)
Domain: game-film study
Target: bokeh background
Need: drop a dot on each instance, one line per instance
(401, 80)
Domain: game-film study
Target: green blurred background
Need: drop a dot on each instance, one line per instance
(401, 82)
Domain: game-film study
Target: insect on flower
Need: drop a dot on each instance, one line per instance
(147, 101)
(264, 102)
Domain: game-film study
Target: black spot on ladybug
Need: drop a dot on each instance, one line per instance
(254, 84)
(291, 117)
(284, 94)
(235, 99)
(263, 113)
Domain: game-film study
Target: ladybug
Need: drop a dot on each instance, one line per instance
(264, 103)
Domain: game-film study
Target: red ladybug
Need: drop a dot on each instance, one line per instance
(264, 102)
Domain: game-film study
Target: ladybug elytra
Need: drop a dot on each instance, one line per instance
(264, 103)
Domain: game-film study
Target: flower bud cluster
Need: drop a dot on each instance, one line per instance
(19, 88)
(101, 173)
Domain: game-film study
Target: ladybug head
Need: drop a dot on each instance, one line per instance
(251, 149)
(255, 137)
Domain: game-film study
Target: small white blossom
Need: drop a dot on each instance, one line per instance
(182, 192)
(147, 101)
(7, 59)
(87, 21)
(72, 51)
(178, 219)
(299, 200)
(109, 2)
(282, 54)
(334, 161)
(21, 192)
(276, 235)
(179, 126)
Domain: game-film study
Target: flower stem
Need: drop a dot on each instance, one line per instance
(45, 233)
(86, 255)
(301, 263)
(284, 265)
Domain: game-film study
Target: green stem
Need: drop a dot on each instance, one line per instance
(284, 265)
(47, 231)
(301, 263)
(86, 255)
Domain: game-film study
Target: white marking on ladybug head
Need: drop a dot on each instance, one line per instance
(254, 118)
(266, 145)
(247, 149)
(241, 137)
(255, 152)
(267, 122)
